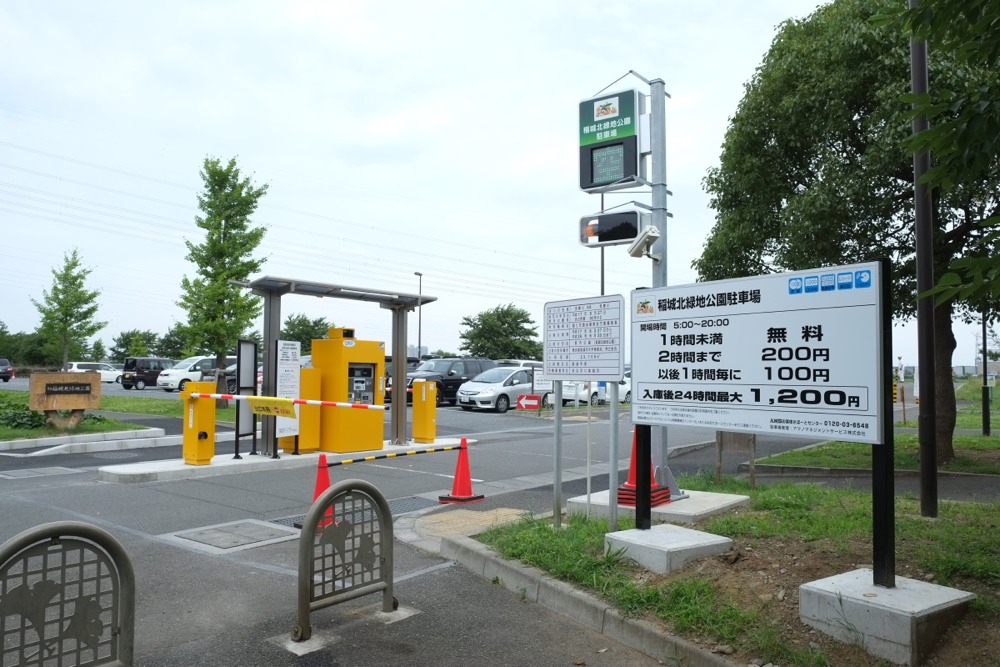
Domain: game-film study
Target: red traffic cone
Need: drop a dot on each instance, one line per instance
(626, 492)
(461, 490)
(322, 484)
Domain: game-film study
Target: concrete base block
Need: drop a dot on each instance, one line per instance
(697, 506)
(664, 547)
(900, 624)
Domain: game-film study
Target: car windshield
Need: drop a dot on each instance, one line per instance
(187, 363)
(435, 366)
(495, 375)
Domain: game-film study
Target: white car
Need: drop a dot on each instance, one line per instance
(108, 372)
(192, 369)
(495, 389)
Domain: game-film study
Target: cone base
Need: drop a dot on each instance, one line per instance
(657, 497)
(461, 499)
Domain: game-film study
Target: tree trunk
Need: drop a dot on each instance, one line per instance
(944, 385)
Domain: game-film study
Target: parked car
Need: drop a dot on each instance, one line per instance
(231, 385)
(192, 369)
(581, 393)
(495, 389)
(448, 373)
(108, 372)
(140, 372)
(6, 370)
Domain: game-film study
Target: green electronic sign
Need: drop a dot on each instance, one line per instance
(609, 133)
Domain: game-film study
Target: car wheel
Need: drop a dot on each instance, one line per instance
(467, 408)
(547, 401)
(140, 385)
(126, 386)
(593, 399)
(118, 379)
(628, 397)
(182, 386)
(231, 386)
(503, 404)
(440, 396)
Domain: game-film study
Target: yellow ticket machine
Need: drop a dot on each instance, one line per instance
(351, 371)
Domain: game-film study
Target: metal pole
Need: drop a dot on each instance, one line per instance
(658, 164)
(420, 312)
(986, 388)
(557, 462)
(883, 474)
(927, 410)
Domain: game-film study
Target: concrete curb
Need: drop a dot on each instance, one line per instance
(533, 585)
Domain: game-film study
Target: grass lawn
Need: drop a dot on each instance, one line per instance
(164, 407)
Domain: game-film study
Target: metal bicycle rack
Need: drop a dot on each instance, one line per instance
(67, 597)
(345, 551)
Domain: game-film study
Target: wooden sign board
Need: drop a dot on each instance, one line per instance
(64, 391)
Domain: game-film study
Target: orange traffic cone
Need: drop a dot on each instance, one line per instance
(322, 484)
(626, 492)
(461, 490)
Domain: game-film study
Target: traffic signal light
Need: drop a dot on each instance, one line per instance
(609, 228)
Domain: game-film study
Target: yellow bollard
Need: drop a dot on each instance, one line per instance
(199, 424)
(424, 411)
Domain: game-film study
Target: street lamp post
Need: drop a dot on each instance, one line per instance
(420, 310)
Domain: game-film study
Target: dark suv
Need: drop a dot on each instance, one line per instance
(140, 372)
(6, 370)
(449, 374)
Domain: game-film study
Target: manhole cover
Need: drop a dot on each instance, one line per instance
(236, 535)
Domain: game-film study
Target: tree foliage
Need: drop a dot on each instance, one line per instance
(300, 328)
(97, 351)
(69, 310)
(174, 343)
(219, 312)
(814, 171)
(134, 343)
(964, 134)
(504, 332)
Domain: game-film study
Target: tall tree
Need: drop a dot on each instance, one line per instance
(813, 170)
(301, 328)
(133, 343)
(504, 332)
(69, 309)
(218, 312)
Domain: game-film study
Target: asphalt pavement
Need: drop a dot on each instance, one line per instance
(201, 602)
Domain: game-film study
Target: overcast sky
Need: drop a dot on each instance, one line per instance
(395, 137)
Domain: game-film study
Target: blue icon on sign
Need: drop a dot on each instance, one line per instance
(812, 284)
(795, 285)
(828, 282)
(862, 279)
(845, 281)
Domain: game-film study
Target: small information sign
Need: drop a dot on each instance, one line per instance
(583, 339)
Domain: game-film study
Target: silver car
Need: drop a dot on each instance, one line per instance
(495, 389)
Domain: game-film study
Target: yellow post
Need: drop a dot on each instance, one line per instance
(424, 411)
(199, 424)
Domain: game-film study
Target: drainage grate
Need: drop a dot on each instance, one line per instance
(116, 455)
(396, 507)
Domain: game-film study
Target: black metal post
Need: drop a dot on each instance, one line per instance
(924, 224)
(986, 387)
(643, 474)
(883, 479)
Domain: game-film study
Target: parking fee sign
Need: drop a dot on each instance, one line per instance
(793, 354)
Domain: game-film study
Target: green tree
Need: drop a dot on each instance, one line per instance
(173, 344)
(69, 309)
(964, 134)
(813, 171)
(219, 312)
(133, 343)
(6, 342)
(305, 330)
(504, 332)
(97, 351)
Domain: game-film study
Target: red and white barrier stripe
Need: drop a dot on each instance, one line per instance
(296, 401)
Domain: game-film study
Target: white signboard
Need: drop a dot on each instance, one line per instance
(584, 339)
(287, 384)
(795, 354)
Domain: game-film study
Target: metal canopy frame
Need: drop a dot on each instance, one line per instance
(272, 288)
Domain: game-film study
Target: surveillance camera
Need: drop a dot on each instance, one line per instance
(647, 237)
